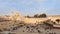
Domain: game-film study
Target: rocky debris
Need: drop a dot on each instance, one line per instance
(32, 28)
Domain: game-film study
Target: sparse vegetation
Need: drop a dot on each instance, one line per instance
(58, 20)
(40, 16)
(28, 17)
(36, 16)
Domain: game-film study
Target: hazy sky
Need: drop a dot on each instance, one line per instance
(30, 7)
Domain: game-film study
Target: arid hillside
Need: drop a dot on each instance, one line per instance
(20, 24)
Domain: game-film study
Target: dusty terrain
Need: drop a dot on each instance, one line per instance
(28, 26)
